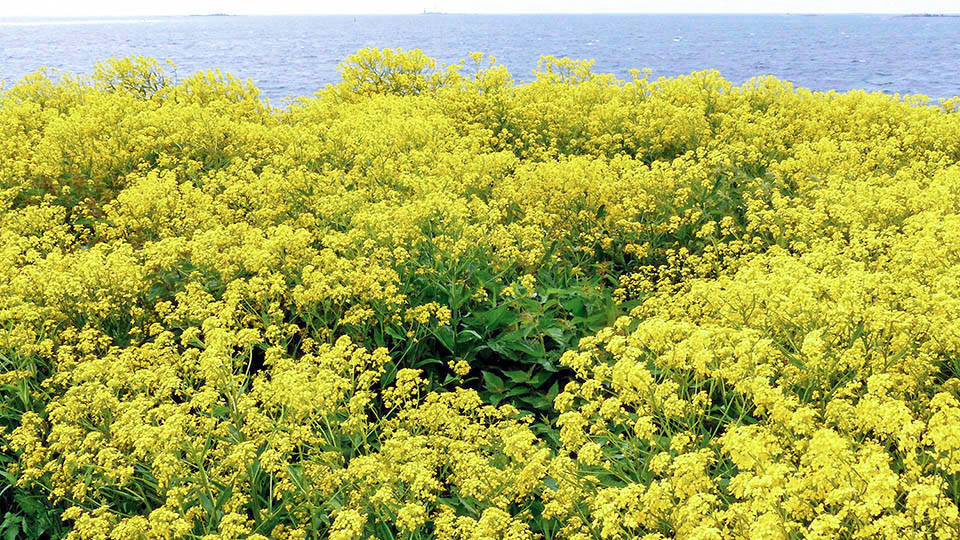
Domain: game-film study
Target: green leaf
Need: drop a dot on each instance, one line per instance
(424, 362)
(11, 525)
(556, 333)
(224, 497)
(390, 373)
(394, 332)
(528, 347)
(498, 316)
(378, 338)
(553, 391)
(551, 483)
(539, 378)
(500, 347)
(457, 296)
(467, 335)
(517, 391)
(446, 337)
(221, 411)
(207, 505)
(493, 383)
(539, 403)
(548, 364)
(517, 376)
(575, 306)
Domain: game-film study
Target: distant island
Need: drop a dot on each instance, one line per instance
(211, 15)
(930, 15)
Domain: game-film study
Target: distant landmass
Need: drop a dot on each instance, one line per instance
(930, 15)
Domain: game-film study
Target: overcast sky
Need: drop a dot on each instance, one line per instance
(99, 8)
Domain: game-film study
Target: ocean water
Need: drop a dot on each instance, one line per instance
(297, 55)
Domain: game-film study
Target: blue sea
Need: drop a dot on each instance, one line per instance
(297, 55)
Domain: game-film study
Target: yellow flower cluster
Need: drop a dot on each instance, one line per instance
(224, 320)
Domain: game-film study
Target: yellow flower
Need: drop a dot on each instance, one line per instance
(411, 516)
(750, 292)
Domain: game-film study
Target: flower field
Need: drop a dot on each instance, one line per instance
(433, 303)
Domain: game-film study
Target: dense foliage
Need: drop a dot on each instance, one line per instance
(433, 303)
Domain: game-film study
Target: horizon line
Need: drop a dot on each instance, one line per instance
(800, 13)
